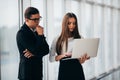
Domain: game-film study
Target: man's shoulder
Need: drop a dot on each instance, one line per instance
(24, 28)
(22, 31)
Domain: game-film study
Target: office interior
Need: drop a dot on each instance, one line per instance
(96, 18)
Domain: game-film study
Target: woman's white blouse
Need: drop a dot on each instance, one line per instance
(53, 53)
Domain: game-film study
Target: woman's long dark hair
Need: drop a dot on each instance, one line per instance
(65, 34)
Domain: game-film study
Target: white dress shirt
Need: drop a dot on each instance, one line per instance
(53, 48)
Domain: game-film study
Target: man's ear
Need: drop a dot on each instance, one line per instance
(26, 20)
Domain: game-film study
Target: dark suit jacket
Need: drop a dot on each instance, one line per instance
(31, 68)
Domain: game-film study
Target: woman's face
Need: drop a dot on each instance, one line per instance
(71, 24)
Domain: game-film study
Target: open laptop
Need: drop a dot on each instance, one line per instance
(86, 45)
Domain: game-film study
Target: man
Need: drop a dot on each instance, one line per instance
(32, 46)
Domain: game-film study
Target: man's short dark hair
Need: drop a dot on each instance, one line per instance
(30, 11)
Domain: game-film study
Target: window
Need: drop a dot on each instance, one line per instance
(9, 24)
(96, 18)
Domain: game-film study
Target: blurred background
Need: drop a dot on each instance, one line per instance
(96, 18)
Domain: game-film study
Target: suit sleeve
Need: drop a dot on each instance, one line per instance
(37, 45)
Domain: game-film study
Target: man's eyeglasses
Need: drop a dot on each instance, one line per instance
(36, 19)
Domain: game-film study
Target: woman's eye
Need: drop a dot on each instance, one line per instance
(69, 23)
(73, 23)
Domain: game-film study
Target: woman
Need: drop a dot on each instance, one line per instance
(61, 50)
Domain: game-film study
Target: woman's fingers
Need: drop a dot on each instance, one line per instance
(84, 58)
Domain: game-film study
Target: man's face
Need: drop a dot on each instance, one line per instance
(34, 20)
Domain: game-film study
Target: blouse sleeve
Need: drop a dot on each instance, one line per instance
(52, 52)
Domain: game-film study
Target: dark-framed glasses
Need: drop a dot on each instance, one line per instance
(36, 19)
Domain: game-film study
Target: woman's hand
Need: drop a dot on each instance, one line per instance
(59, 57)
(83, 58)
